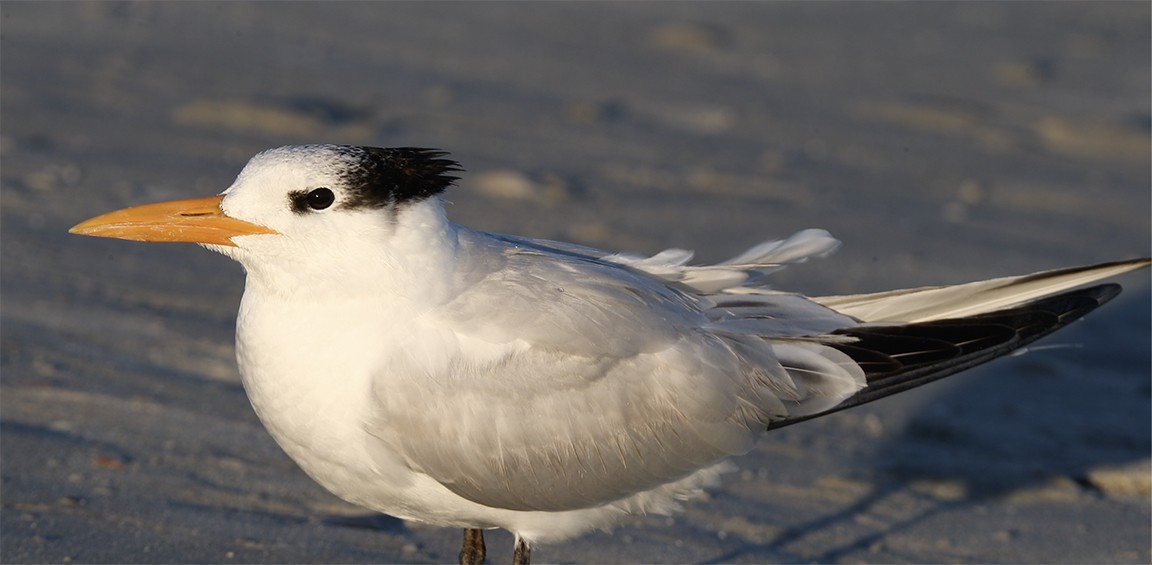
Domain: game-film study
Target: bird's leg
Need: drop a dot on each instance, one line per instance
(472, 552)
(523, 553)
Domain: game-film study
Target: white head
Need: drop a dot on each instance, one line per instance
(296, 213)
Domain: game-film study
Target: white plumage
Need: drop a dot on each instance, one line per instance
(441, 374)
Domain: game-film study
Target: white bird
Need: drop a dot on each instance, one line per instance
(442, 374)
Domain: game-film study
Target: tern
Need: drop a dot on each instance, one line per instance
(467, 379)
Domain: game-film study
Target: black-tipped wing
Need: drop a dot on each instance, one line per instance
(898, 358)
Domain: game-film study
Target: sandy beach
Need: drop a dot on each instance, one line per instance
(942, 142)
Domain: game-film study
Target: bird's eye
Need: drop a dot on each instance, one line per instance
(320, 198)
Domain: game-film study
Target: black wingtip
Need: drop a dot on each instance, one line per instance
(899, 358)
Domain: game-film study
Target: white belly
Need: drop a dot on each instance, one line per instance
(308, 371)
(313, 375)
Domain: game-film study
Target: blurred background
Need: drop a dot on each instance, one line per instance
(943, 142)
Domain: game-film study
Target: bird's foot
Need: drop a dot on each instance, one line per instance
(523, 553)
(472, 552)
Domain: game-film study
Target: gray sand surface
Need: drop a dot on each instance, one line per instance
(941, 142)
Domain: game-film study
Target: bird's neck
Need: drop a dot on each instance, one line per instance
(408, 261)
(311, 335)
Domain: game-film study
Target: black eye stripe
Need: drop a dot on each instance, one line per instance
(376, 178)
(315, 199)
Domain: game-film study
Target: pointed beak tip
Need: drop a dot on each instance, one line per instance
(91, 226)
(79, 229)
(199, 220)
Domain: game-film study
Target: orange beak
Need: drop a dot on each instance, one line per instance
(199, 220)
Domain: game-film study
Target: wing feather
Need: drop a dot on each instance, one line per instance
(937, 303)
(611, 382)
(578, 378)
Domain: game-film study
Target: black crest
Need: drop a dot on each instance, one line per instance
(378, 177)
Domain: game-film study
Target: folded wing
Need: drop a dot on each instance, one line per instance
(604, 376)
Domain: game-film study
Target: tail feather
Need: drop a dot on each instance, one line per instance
(901, 357)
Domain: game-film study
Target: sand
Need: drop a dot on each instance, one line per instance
(941, 142)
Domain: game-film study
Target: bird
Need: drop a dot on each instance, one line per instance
(447, 375)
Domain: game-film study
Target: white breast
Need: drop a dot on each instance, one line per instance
(308, 370)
